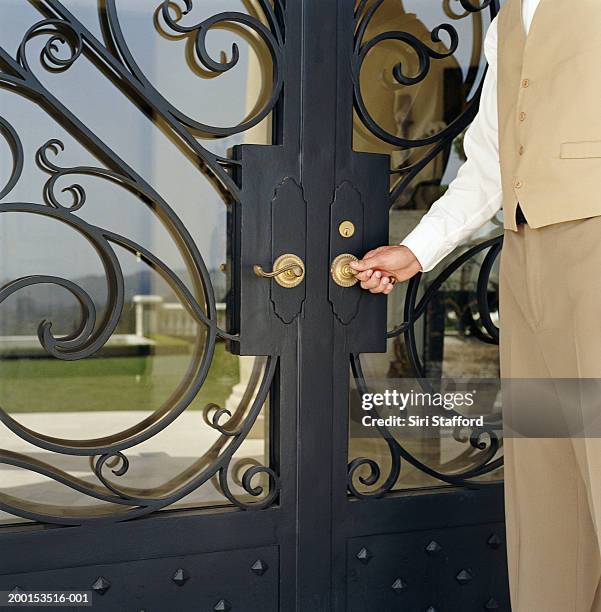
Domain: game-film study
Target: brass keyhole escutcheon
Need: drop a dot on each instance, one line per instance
(288, 271)
(346, 229)
(342, 273)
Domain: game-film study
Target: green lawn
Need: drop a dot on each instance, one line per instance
(108, 383)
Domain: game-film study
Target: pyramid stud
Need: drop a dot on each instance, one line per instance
(101, 586)
(464, 576)
(492, 604)
(180, 577)
(494, 541)
(259, 567)
(364, 556)
(223, 605)
(399, 585)
(433, 547)
(431, 609)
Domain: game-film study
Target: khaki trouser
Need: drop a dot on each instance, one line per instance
(550, 307)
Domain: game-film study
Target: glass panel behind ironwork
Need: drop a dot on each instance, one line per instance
(119, 394)
(419, 68)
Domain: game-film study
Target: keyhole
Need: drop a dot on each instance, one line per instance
(346, 229)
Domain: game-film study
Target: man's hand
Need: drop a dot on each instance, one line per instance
(381, 268)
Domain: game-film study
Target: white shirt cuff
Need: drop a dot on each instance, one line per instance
(427, 246)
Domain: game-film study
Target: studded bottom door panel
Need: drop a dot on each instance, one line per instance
(211, 582)
(454, 569)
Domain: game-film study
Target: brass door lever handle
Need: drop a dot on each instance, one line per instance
(288, 271)
(296, 270)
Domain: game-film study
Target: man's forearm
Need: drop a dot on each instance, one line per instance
(475, 196)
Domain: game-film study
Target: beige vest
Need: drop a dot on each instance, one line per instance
(549, 94)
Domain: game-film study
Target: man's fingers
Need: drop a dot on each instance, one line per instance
(390, 262)
(363, 276)
(361, 265)
(375, 261)
(372, 282)
(382, 285)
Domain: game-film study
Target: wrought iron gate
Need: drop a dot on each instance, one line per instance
(305, 520)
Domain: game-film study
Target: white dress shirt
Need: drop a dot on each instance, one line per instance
(475, 195)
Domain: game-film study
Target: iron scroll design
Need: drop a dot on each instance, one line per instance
(365, 477)
(66, 40)
(484, 443)
(438, 142)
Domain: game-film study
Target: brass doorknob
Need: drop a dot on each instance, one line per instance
(288, 271)
(342, 273)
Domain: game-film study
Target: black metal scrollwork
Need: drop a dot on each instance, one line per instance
(67, 39)
(474, 8)
(365, 475)
(14, 142)
(439, 141)
(424, 53)
(271, 36)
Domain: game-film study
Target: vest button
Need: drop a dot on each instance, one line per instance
(522, 116)
(526, 83)
(521, 150)
(518, 184)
